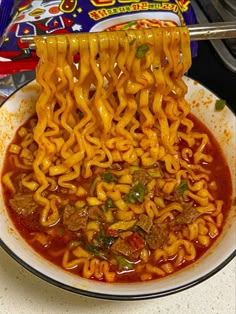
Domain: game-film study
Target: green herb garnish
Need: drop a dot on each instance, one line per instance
(109, 203)
(95, 251)
(105, 241)
(104, 208)
(220, 104)
(136, 194)
(132, 42)
(130, 24)
(108, 177)
(139, 231)
(182, 188)
(141, 51)
(156, 67)
(123, 263)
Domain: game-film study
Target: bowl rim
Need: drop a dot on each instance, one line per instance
(111, 297)
(114, 297)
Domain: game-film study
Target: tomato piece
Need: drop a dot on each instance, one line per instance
(112, 233)
(135, 242)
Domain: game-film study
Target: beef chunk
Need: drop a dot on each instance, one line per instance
(116, 166)
(188, 215)
(157, 237)
(145, 223)
(23, 203)
(141, 176)
(121, 247)
(95, 213)
(75, 219)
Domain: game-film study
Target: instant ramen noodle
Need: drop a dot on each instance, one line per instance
(113, 178)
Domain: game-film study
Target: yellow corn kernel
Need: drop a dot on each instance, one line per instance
(26, 153)
(93, 201)
(160, 182)
(169, 186)
(204, 240)
(22, 132)
(144, 255)
(202, 229)
(168, 268)
(137, 208)
(109, 216)
(124, 215)
(80, 252)
(126, 179)
(122, 225)
(90, 235)
(121, 205)
(81, 191)
(80, 204)
(151, 185)
(14, 149)
(93, 225)
(159, 201)
(124, 188)
(114, 195)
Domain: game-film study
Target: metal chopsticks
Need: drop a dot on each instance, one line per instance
(211, 31)
(208, 31)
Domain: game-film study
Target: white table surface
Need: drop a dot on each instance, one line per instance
(21, 292)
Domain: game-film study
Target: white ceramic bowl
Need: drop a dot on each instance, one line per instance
(21, 105)
(100, 26)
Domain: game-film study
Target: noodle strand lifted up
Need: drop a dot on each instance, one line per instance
(124, 103)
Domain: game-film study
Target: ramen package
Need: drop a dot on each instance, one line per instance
(46, 17)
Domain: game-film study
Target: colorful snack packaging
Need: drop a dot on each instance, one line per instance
(5, 13)
(45, 17)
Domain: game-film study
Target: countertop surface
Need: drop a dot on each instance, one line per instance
(22, 292)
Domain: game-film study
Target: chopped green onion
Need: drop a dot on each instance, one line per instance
(156, 67)
(127, 26)
(141, 51)
(220, 104)
(96, 251)
(123, 263)
(104, 208)
(182, 188)
(108, 177)
(105, 241)
(109, 203)
(136, 194)
(132, 41)
(139, 231)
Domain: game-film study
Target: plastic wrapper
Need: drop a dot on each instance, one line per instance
(6, 7)
(46, 17)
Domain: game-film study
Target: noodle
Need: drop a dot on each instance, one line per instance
(102, 136)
